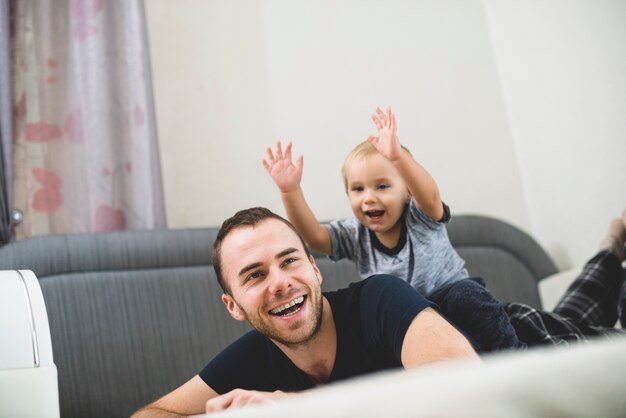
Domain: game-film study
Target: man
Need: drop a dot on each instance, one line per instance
(304, 337)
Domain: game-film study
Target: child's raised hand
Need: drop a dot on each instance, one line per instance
(387, 141)
(283, 171)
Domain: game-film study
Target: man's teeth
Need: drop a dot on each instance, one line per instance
(287, 305)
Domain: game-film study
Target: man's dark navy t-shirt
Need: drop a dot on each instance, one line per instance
(371, 316)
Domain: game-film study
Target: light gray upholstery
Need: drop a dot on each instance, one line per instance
(135, 314)
(510, 261)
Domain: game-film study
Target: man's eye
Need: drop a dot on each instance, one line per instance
(289, 260)
(254, 275)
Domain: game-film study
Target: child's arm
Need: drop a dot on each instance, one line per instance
(287, 177)
(420, 183)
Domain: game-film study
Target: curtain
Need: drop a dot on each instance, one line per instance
(85, 150)
(6, 135)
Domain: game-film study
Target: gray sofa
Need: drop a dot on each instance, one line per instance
(135, 314)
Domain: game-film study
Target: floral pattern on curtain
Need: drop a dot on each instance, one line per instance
(85, 150)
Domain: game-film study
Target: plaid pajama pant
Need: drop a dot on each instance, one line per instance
(590, 307)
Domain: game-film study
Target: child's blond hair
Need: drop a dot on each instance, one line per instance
(360, 152)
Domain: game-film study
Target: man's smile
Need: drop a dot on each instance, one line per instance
(289, 308)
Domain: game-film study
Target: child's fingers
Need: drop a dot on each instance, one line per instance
(300, 163)
(270, 154)
(266, 166)
(381, 115)
(372, 139)
(379, 125)
(279, 150)
(288, 152)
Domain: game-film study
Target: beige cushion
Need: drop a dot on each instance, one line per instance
(585, 380)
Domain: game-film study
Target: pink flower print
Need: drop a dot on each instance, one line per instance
(83, 16)
(48, 198)
(52, 63)
(106, 171)
(129, 167)
(20, 107)
(109, 219)
(139, 116)
(42, 132)
(83, 30)
(47, 178)
(74, 126)
(86, 9)
(19, 115)
(96, 6)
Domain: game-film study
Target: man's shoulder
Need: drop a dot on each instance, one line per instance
(387, 283)
(376, 312)
(377, 284)
(251, 341)
(385, 292)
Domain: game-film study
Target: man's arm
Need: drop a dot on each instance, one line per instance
(421, 184)
(287, 176)
(189, 399)
(430, 338)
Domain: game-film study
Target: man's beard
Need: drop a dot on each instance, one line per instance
(271, 332)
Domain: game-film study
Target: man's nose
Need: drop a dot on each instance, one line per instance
(279, 280)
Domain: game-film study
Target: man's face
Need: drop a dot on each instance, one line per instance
(274, 285)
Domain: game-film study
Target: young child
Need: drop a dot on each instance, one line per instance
(399, 228)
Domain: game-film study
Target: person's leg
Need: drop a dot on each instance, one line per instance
(536, 327)
(615, 237)
(470, 305)
(592, 299)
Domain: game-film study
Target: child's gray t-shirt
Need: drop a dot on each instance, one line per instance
(424, 256)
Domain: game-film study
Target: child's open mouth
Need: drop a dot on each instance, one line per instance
(375, 215)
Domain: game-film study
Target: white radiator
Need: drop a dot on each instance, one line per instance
(28, 376)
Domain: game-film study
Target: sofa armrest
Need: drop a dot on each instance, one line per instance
(552, 287)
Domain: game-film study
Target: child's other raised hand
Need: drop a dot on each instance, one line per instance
(387, 141)
(283, 171)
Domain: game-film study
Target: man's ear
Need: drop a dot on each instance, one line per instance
(233, 309)
(317, 271)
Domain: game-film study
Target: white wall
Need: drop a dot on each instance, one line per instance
(563, 71)
(232, 76)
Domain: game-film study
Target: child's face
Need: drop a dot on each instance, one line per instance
(376, 191)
